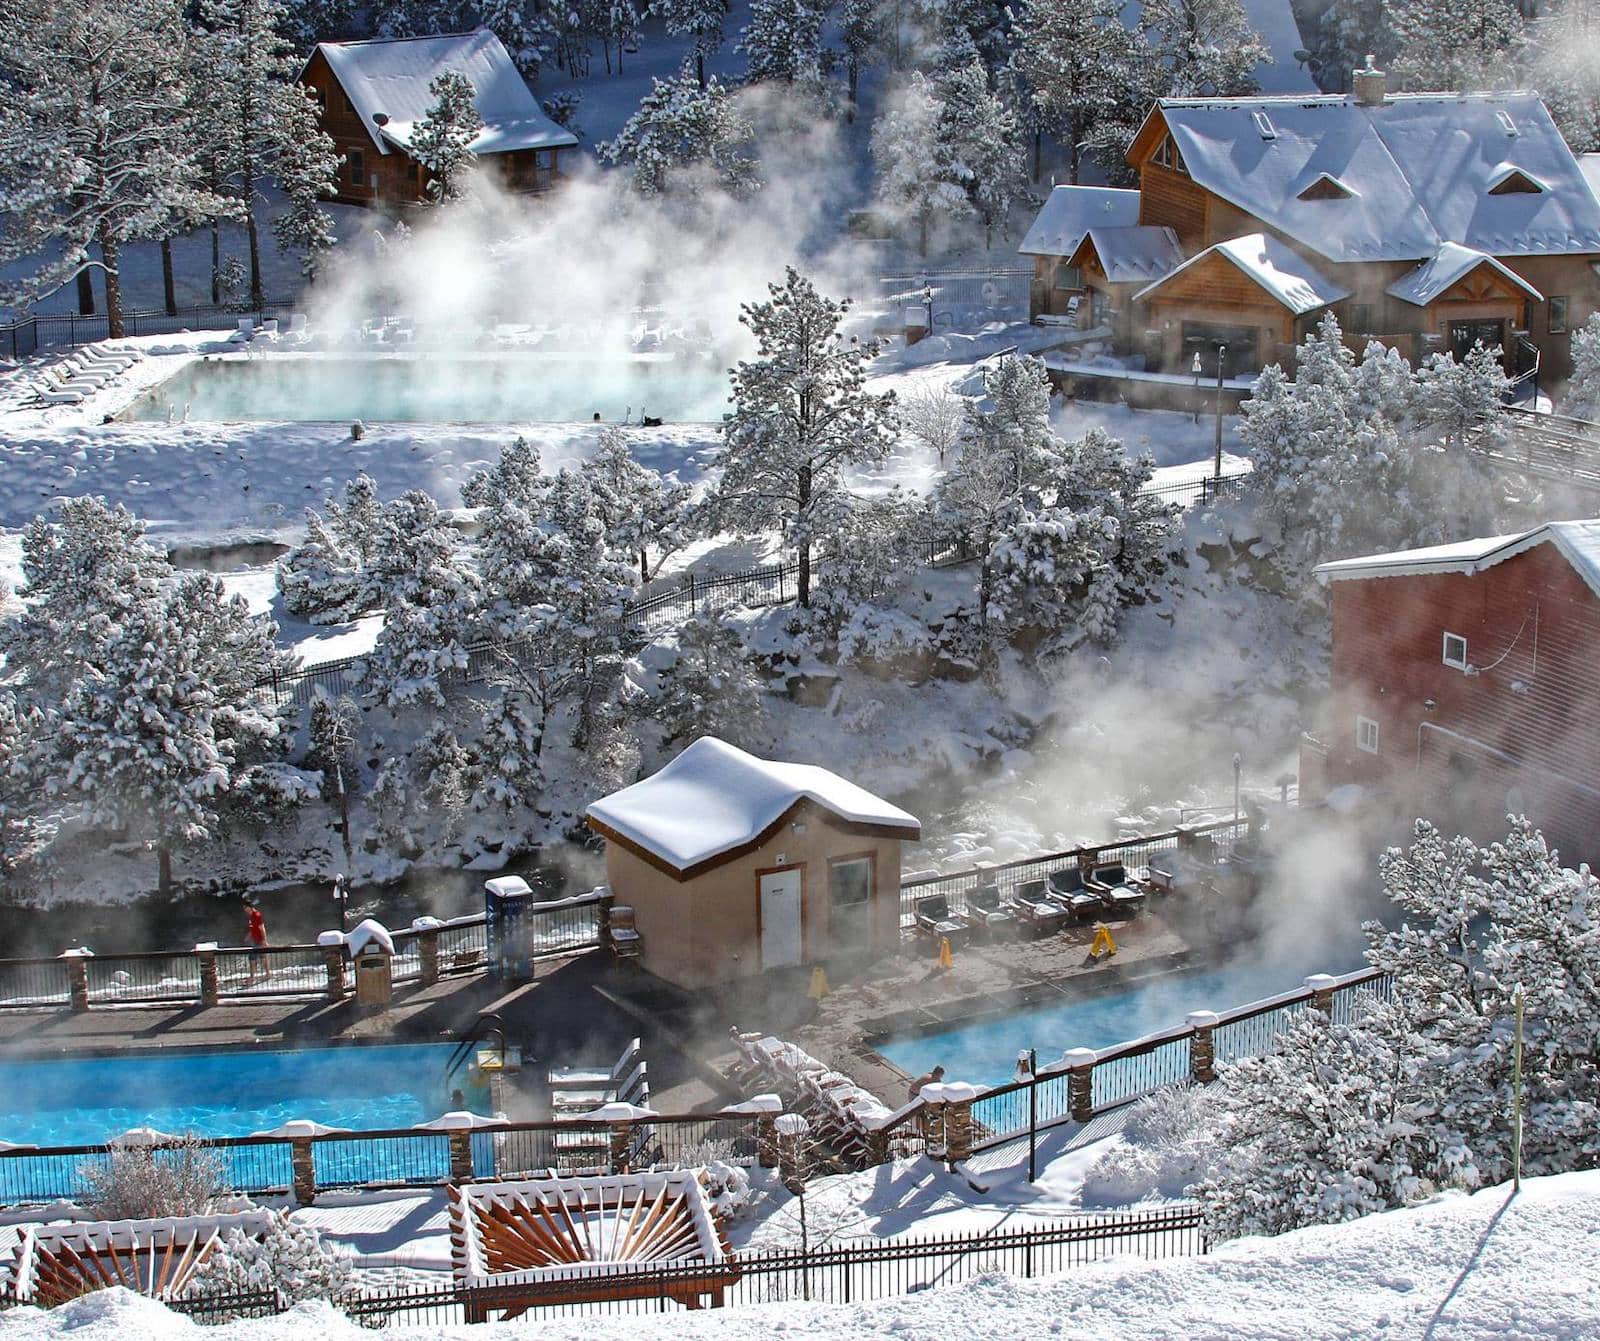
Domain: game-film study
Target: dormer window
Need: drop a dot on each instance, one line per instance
(1517, 183)
(1327, 187)
(1168, 156)
(1506, 123)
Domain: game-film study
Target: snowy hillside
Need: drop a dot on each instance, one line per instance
(1463, 1268)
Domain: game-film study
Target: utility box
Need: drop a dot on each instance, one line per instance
(374, 977)
(506, 900)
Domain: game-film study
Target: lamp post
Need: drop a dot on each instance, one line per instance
(1196, 370)
(1222, 358)
(927, 298)
(1236, 766)
(341, 896)
(1028, 1069)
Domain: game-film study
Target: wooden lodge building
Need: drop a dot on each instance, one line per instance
(735, 865)
(1464, 683)
(373, 93)
(1429, 221)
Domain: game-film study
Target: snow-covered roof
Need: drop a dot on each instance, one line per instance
(1071, 211)
(1578, 542)
(1589, 165)
(1135, 255)
(389, 78)
(714, 799)
(1451, 262)
(1420, 168)
(1282, 272)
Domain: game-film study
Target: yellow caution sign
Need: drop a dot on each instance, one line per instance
(1103, 945)
(819, 984)
(946, 959)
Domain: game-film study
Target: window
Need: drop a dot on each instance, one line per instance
(1366, 735)
(1516, 183)
(1068, 277)
(1169, 157)
(412, 174)
(1326, 188)
(1558, 315)
(850, 882)
(1455, 651)
(356, 161)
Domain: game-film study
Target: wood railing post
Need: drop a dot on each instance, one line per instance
(603, 919)
(78, 976)
(304, 1168)
(1202, 1046)
(1321, 986)
(210, 986)
(461, 1156)
(1080, 1082)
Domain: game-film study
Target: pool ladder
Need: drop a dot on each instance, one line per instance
(485, 1028)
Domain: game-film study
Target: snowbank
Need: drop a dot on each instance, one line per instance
(1461, 1267)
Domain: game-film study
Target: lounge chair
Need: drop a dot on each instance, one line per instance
(1111, 883)
(935, 920)
(106, 357)
(1070, 890)
(622, 935)
(1037, 909)
(984, 910)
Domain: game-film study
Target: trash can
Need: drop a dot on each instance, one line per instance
(374, 977)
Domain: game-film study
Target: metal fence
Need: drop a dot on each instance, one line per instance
(997, 292)
(848, 1273)
(45, 330)
(694, 596)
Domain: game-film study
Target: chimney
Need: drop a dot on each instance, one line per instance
(1369, 84)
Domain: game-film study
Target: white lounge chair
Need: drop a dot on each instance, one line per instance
(95, 355)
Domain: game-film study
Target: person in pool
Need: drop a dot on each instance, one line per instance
(255, 930)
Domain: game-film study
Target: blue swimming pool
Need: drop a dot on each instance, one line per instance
(985, 1053)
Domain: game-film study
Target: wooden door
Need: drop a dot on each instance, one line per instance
(780, 919)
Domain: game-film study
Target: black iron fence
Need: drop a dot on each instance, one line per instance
(43, 330)
(848, 1273)
(999, 292)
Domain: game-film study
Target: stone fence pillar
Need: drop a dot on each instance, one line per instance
(765, 1108)
(461, 1155)
(1321, 986)
(958, 1100)
(78, 958)
(1080, 1082)
(210, 986)
(332, 943)
(427, 929)
(304, 1167)
(1202, 1046)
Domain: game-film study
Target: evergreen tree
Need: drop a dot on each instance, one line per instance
(782, 41)
(22, 826)
(1582, 397)
(861, 36)
(1074, 56)
(681, 125)
(1203, 48)
(918, 173)
(307, 167)
(94, 150)
(1559, 62)
(307, 22)
(320, 580)
(441, 141)
(801, 414)
(711, 689)
(641, 512)
(517, 477)
(985, 142)
(523, 29)
(1455, 44)
(700, 21)
(1462, 399)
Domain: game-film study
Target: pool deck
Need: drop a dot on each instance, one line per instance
(584, 1009)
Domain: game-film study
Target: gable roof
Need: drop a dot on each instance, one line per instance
(1450, 263)
(1578, 542)
(1071, 211)
(389, 78)
(715, 801)
(1133, 255)
(1421, 167)
(1276, 267)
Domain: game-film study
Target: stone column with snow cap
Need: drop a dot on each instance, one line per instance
(1080, 1082)
(958, 1100)
(1202, 1046)
(332, 943)
(1321, 987)
(77, 960)
(210, 985)
(621, 1119)
(933, 1117)
(766, 1108)
(427, 929)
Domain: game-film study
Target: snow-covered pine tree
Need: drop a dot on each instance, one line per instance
(165, 737)
(1011, 422)
(782, 40)
(523, 28)
(986, 142)
(1348, 32)
(84, 567)
(918, 175)
(441, 141)
(711, 689)
(1203, 48)
(641, 511)
(307, 22)
(290, 1261)
(22, 827)
(1582, 396)
(93, 144)
(1559, 62)
(333, 731)
(700, 21)
(861, 37)
(517, 477)
(307, 164)
(1455, 44)
(801, 414)
(320, 580)
(508, 744)
(680, 126)
(1074, 56)
(1457, 400)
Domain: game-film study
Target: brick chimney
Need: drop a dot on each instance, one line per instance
(1369, 84)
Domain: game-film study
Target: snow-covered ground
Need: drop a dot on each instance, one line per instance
(1491, 1265)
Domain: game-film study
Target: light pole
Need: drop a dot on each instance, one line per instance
(341, 896)
(1028, 1069)
(1196, 370)
(1222, 358)
(927, 298)
(1236, 766)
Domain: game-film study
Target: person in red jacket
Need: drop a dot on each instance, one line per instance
(255, 929)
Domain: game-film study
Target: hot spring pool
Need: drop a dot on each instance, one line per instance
(304, 388)
(986, 1053)
(83, 1102)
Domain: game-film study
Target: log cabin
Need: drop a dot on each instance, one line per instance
(1463, 683)
(1429, 221)
(371, 94)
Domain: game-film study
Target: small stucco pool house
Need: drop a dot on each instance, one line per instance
(734, 865)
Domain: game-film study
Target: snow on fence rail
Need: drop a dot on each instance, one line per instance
(848, 1273)
(44, 330)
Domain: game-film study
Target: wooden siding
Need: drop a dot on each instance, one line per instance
(1524, 729)
(1171, 199)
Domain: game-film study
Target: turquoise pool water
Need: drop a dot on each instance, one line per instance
(986, 1053)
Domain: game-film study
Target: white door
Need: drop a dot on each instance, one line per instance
(780, 918)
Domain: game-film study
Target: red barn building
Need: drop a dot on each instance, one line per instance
(1466, 682)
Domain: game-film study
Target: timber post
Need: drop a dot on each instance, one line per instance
(1203, 1046)
(332, 943)
(1321, 986)
(1080, 1082)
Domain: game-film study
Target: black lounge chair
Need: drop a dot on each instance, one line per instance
(1069, 889)
(935, 919)
(1036, 908)
(1120, 894)
(984, 910)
